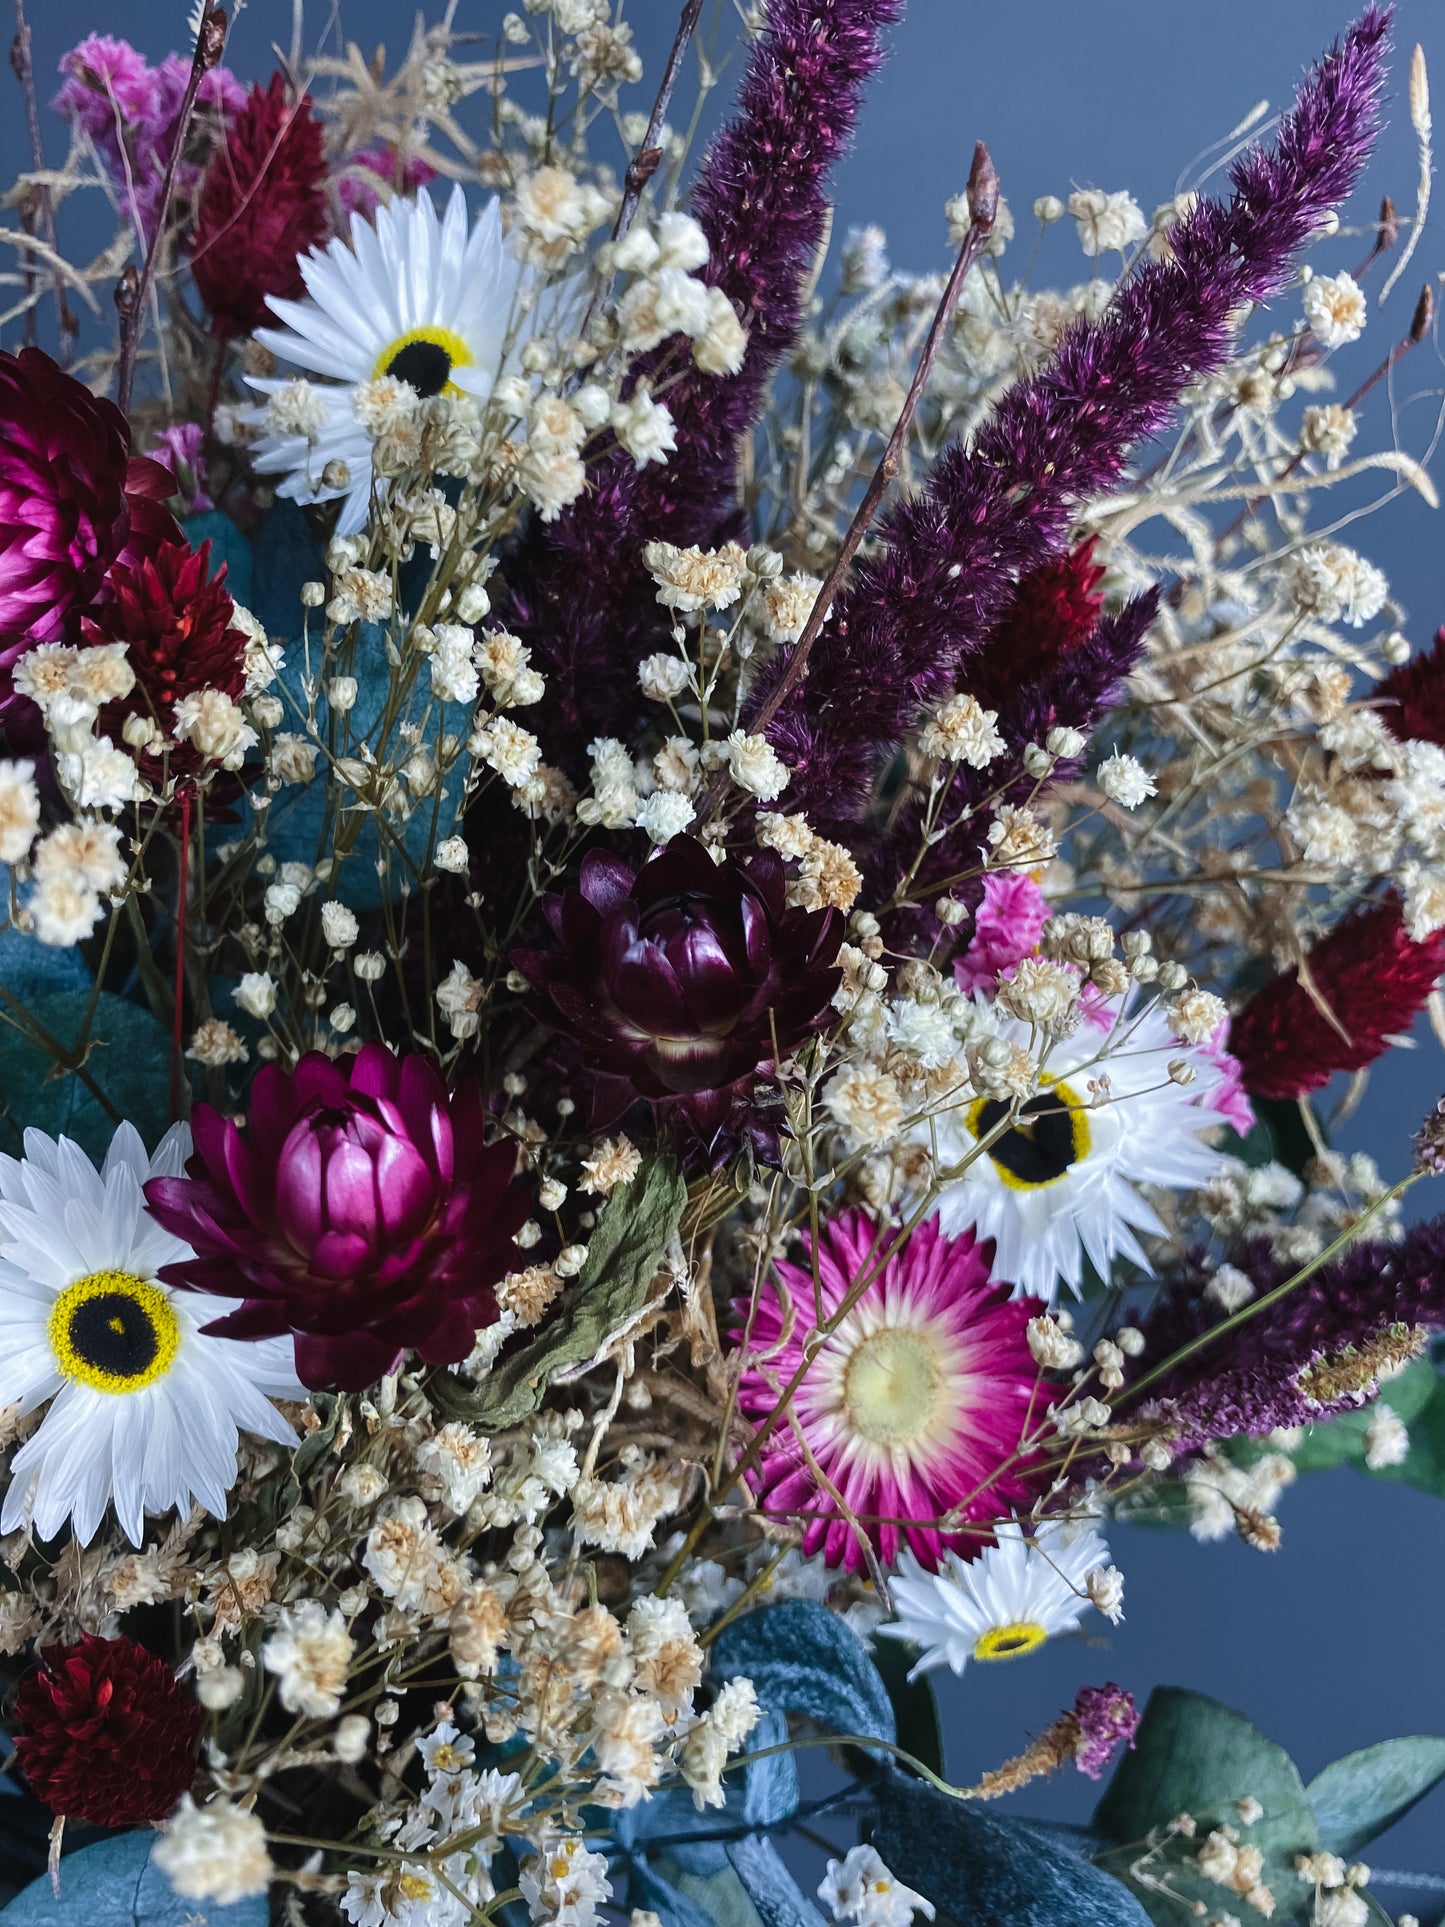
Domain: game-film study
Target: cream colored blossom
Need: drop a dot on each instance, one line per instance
(1107, 223)
(214, 1044)
(867, 1103)
(215, 1852)
(214, 725)
(962, 731)
(692, 579)
(1335, 309)
(615, 1161)
(310, 1653)
(755, 766)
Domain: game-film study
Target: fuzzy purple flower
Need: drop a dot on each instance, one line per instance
(999, 508)
(1320, 1349)
(678, 980)
(405, 173)
(181, 447)
(360, 1210)
(1106, 1718)
(577, 592)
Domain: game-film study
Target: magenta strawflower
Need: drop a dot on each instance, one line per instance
(360, 1210)
(912, 1410)
(1006, 926)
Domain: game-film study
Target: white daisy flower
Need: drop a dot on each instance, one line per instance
(144, 1409)
(1060, 1183)
(1003, 1604)
(413, 297)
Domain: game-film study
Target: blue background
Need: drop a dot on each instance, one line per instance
(1334, 1641)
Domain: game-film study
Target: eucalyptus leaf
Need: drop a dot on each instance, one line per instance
(623, 1255)
(915, 1705)
(1357, 1797)
(984, 1867)
(285, 555)
(115, 1883)
(771, 1890)
(1193, 1755)
(684, 1898)
(124, 1063)
(801, 1658)
(228, 546)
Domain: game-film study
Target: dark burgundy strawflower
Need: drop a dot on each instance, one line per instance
(107, 1733)
(1411, 699)
(999, 507)
(175, 620)
(675, 980)
(1368, 973)
(73, 499)
(262, 204)
(360, 1209)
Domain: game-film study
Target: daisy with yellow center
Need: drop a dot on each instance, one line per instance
(143, 1409)
(436, 302)
(1007, 1602)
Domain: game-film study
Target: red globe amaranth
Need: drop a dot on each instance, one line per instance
(1411, 699)
(1369, 972)
(262, 205)
(675, 980)
(1053, 610)
(360, 1210)
(73, 500)
(107, 1733)
(175, 620)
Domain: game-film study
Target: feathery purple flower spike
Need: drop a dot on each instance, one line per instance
(991, 513)
(578, 594)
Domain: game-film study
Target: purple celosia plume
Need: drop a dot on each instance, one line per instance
(999, 508)
(1292, 1363)
(578, 594)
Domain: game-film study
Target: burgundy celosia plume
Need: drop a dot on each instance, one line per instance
(73, 500)
(1000, 507)
(262, 204)
(576, 590)
(1411, 699)
(1053, 610)
(1368, 973)
(107, 1733)
(676, 981)
(1249, 1382)
(361, 1210)
(175, 621)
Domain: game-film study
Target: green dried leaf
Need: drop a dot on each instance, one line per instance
(623, 1254)
(126, 1045)
(1359, 1796)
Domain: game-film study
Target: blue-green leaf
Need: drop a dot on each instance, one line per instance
(115, 1883)
(228, 545)
(803, 1659)
(980, 1866)
(1359, 1796)
(126, 1065)
(771, 1890)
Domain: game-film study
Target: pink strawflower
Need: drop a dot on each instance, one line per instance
(1229, 1098)
(406, 173)
(915, 1407)
(1007, 927)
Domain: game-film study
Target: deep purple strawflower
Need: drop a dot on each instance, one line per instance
(576, 590)
(1319, 1350)
(678, 980)
(1000, 507)
(360, 1210)
(1106, 1718)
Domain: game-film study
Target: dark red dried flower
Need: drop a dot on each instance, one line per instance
(361, 1210)
(1368, 972)
(107, 1732)
(1411, 699)
(72, 499)
(262, 205)
(677, 979)
(1053, 610)
(176, 625)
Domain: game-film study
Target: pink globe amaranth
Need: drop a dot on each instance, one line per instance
(913, 1411)
(73, 500)
(360, 1210)
(675, 980)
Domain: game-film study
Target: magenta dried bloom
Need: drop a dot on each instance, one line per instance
(676, 979)
(406, 173)
(1006, 927)
(914, 1408)
(73, 499)
(1106, 1718)
(360, 1210)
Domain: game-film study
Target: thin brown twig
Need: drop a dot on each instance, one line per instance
(24, 69)
(1419, 327)
(132, 291)
(648, 158)
(983, 209)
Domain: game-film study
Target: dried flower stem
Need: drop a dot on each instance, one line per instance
(20, 61)
(133, 290)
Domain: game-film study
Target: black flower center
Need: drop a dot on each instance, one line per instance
(1049, 1134)
(113, 1331)
(423, 365)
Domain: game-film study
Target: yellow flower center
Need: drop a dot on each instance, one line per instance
(424, 359)
(114, 1332)
(892, 1386)
(415, 1886)
(1049, 1135)
(1009, 1642)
